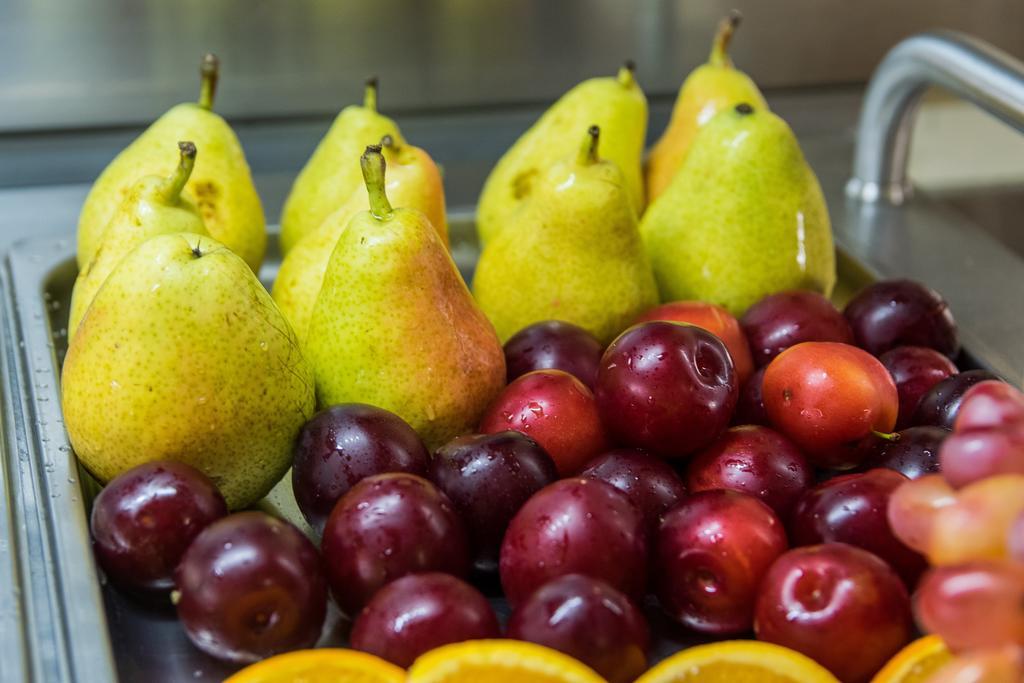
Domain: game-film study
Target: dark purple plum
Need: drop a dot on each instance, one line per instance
(574, 526)
(589, 620)
(667, 389)
(852, 509)
(651, 484)
(893, 313)
(839, 605)
(388, 526)
(915, 370)
(251, 586)
(754, 460)
(416, 613)
(750, 405)
(488, 478)
(344, 444)
(941, 404)
(914, 452)
(786, 319)
(144, 519)
(555, 345)
(709, 556)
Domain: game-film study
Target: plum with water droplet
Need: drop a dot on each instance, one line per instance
(554, 409)
(417, 613)
(145, 518)
(488, 477)
(388, 526)
(667, 389)
(574, 526)
(553, 345)
(589, 620)
(251, 586)
(709, 557)
(343, 444)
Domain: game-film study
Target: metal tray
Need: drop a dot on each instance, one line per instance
(59, 621)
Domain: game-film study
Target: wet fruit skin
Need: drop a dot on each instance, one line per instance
(893, 313)
(913, 506)
(666, 388)
(852, 509)
(251, 586)
(754, 460)
(710, 555)
(651, 484)
(144, 519)
(587, 619)
(414, 614)
(840, 605)
(750, 405)
(827, 397)
(386, 527)
(970, 456)
(786, 319)
(342, 445)
(973, 605)
(915, 370)
(555, 345)
(914, 453)
(990, 405)
(940, 406)
(488, 478)
(554, 409)
(575, 526)
(715, 320)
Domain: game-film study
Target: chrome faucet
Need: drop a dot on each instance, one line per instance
(967, 67)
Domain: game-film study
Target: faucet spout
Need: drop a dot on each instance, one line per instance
(965, 66)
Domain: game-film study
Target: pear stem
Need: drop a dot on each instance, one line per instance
(175, 182)
(627, 74)
(373, 165)
(370, 94)
(720, 47)
(209, 71)
(588, 150)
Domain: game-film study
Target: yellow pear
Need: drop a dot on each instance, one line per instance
(616, 105)
(709, 89)
(395, 326)
(572, 253)
(184, 356)
(154, 206)
(332, 173)
(744, 217)
(413, 182)
(220, 185)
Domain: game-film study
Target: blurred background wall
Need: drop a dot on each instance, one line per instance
(80, 78)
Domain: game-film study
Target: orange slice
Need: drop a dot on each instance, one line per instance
(321, 666)
(738, 661)
(916, 662)
(499, 661)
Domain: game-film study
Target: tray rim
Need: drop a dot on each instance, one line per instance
(63, 616)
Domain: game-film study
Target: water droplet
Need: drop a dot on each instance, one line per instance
(263, 345)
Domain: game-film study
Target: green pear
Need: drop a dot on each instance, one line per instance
(744, 217)
(332, 174)
(413, 182)
(616, 105)
(572, 253)
(395, 326)
(184, 356)
(153, 206)
(709, 89)
(220, 185)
